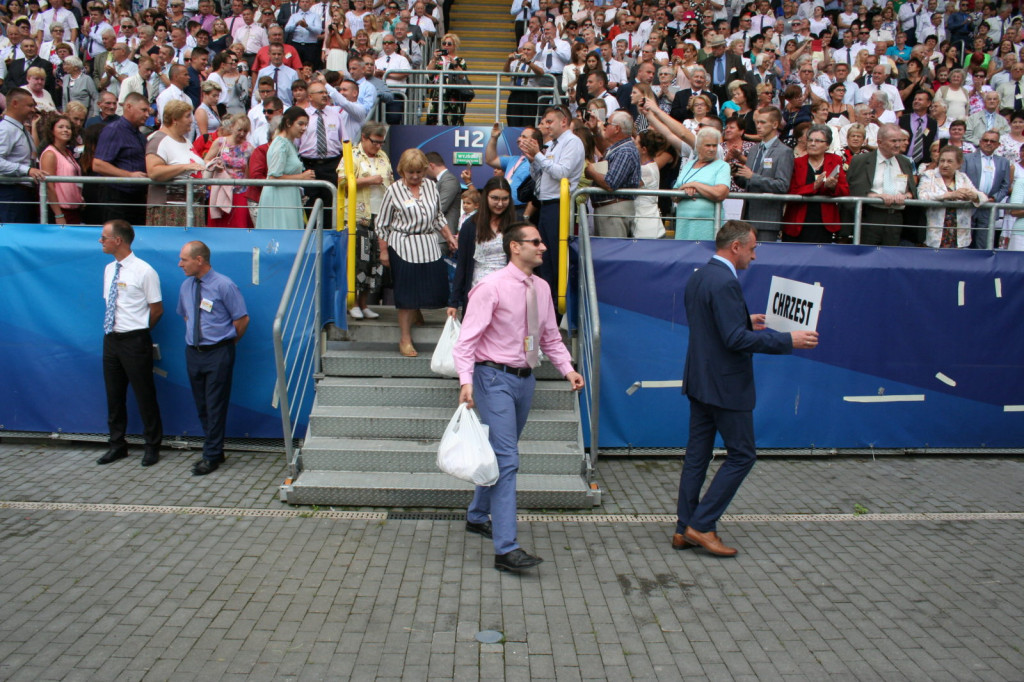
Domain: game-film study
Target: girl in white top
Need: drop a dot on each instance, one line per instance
(649, 224)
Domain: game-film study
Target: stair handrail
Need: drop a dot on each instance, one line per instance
(297, 364)
(588, 331)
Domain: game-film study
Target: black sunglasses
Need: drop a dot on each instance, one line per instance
(536, 241)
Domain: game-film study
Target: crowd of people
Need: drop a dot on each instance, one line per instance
(172, 89)
(781, 97)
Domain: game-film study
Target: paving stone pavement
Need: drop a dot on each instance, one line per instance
(136, 595)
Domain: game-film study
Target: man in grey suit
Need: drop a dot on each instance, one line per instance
(450, 191)
(990, 173)
(888, 175)
(719, 382)
(768, 169)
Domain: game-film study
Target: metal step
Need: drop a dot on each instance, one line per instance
(437, 392)
(420, 456)
(424, 423)
(388, 363)
(363, 489)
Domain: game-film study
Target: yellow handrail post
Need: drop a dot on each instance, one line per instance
(563, 244)
(350, 217)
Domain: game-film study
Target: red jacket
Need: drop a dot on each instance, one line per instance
(257, 171)
(793, 219)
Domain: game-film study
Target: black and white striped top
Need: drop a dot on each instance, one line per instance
(411, 225)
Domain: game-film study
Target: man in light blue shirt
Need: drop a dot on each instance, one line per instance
(19, 203)
(304, 31)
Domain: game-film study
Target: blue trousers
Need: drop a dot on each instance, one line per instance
(503, 401)
(737, 429)
(210, 374)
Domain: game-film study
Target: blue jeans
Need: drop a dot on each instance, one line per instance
(503, 401)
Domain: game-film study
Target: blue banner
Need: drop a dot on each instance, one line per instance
(919, 347)
(51, 336)
(452, 143)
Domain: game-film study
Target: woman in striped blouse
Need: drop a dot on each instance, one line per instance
(409, 221)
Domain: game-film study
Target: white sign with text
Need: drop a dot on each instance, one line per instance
(793, 306)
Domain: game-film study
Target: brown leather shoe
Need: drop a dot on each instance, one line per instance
(709, 541)
(680, 543)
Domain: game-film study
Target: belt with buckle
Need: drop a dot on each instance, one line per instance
(518, 371)
(212, 346)
(613, 200)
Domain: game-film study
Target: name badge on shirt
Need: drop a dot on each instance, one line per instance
(767, 163)
(529, 344)
(122, 285)
(409, 203)
(206, 304)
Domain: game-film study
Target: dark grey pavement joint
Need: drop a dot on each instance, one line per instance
(138, 595)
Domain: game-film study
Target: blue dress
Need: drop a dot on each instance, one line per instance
(695, 218)
(281, 207)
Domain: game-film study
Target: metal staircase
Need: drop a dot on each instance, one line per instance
(378, 417)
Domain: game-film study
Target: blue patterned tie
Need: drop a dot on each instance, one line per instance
(108, 316)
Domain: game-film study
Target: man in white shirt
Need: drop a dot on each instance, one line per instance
(552, 52)
(597, 86)
(251, 34)
(117, 70)
(420, 20)
(879, 105)
(259, 132)
(878, 75)
(304, 31)
(58, 14)
(137, 82)
(174, 91)
(390, 60)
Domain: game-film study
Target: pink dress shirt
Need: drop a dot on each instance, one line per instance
(495, 324)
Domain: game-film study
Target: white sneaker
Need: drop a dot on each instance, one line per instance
(369, 314)
(356, 313)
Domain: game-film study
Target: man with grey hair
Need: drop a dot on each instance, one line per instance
(986, 119)
(614, 215)
(879, 105)
(698, 83)
(885, 174)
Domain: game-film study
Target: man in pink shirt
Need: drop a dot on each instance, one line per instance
(509, 319)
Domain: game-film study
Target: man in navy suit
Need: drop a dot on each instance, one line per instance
(719, 381)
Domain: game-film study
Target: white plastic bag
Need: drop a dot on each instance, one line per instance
(465, 450)
(443, 360)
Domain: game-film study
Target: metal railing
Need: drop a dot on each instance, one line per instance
(191, 185)
(589, 340)
(297, 332)
(992, 209)
(420, 91)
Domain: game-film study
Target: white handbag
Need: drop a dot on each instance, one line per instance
(443, 360)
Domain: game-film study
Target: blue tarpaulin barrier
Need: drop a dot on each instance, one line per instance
(919, 347)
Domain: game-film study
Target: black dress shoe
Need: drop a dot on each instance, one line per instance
(112, 456)
(204, 466)
(480, 528)
(515, 561)
(150, 458)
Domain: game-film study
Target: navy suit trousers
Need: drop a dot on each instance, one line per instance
(737, 429)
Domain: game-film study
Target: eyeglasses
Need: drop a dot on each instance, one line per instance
(373, 141)
(389, 42)
(269, 112)
(536, 241)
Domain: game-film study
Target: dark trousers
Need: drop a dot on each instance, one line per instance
(210, 372)
(547, 225)
(19, 204)
(737, 429)
(310, 53)
(130, 206)
(979, 230)
(128, 360)
(881, 227)
(395, 110)
(522, 108)
(325, 169)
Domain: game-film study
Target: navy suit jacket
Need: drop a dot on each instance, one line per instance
(719, 361)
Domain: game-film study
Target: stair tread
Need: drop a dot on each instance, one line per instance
(432, 481)
(406, 412)
(439, 382)
(526, 447)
